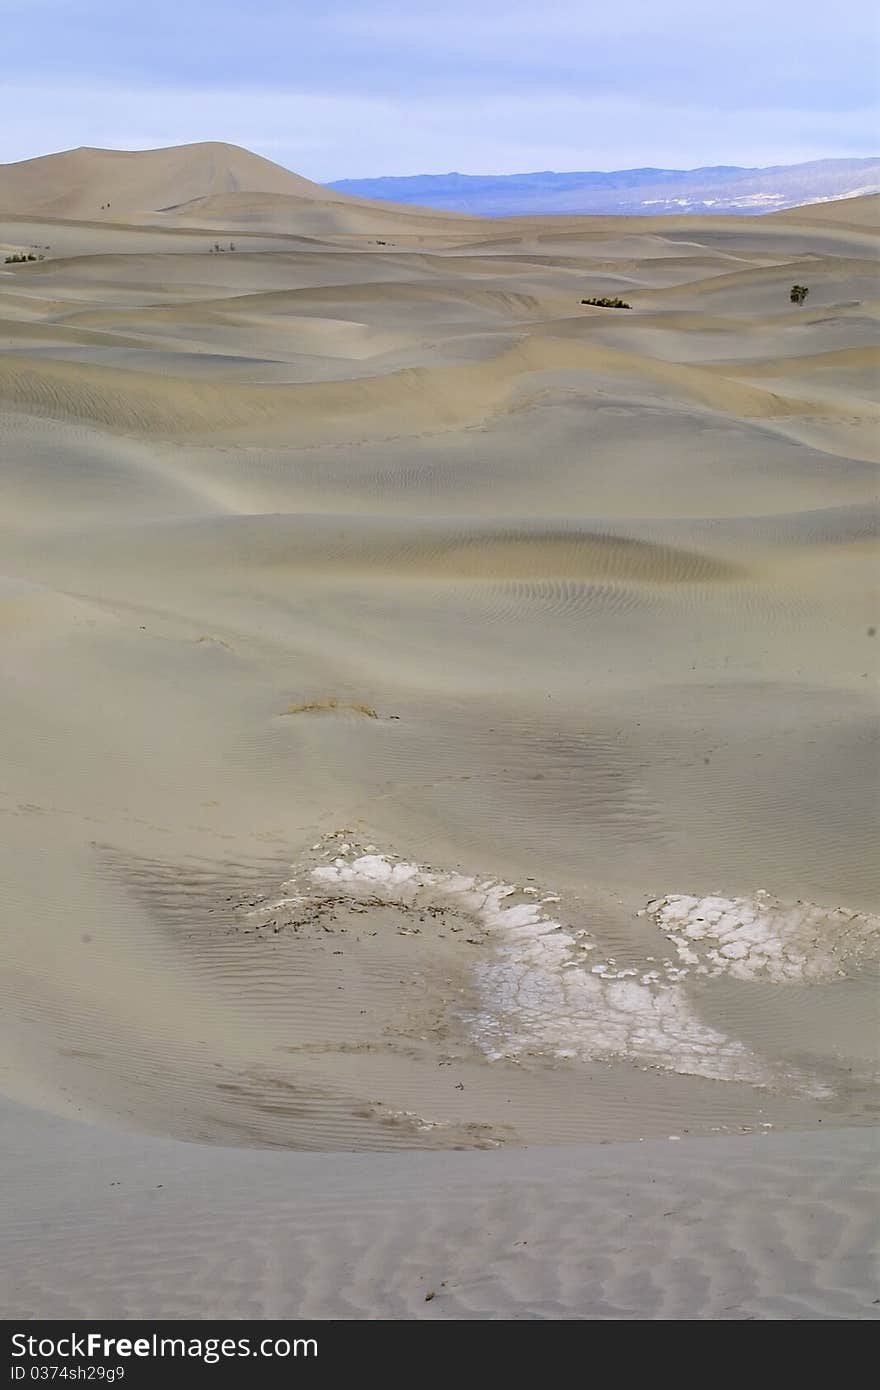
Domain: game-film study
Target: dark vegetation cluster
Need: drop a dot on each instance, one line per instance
(605, 303)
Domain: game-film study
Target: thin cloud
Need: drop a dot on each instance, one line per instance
(348, 92)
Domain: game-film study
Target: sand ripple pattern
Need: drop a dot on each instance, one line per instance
(753, 1227)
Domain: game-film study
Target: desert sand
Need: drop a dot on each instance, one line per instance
(436, 714)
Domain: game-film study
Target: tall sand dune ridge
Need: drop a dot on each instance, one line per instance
(217, 184)
(438, 714)
(84, 182)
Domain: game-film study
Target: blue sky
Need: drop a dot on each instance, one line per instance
(349, 88)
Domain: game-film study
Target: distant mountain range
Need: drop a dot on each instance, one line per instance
(721, 189)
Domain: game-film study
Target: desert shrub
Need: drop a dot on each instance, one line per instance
(799, 293)
(18, 257)
(330, 705)
(605, 303)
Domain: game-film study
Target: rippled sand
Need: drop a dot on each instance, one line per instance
(399, 655)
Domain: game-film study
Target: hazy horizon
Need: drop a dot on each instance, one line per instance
(459, 173)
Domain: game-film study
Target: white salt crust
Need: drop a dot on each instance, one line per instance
(543, 991)
(761, 938)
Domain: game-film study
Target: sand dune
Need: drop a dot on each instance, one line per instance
(81, 183)
(845, 212)
(773, 1227)
(392, 642)
(408, 399)
(315, 212)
